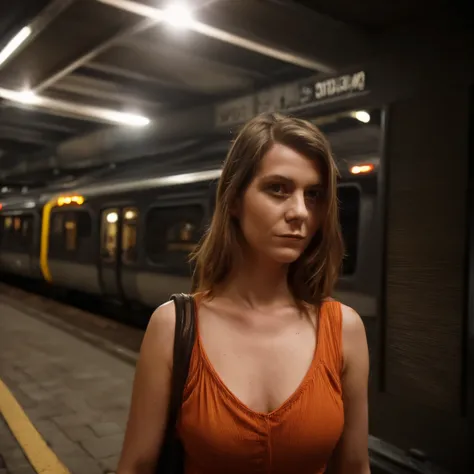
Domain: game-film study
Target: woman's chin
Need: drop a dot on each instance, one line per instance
(286, 255)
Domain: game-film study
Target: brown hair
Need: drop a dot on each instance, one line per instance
(311, 278)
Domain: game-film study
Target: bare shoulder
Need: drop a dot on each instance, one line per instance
(351, 321)
(163, 320)
(159, 335)
(353, 334)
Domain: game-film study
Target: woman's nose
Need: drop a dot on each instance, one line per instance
(297, 208)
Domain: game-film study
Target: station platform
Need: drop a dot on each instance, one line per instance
(64, 394)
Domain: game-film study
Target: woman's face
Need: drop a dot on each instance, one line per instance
(282, 208)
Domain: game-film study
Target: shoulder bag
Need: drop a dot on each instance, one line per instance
(171, 458)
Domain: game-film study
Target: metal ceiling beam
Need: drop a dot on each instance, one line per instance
(133, 142)
(26, 136)
(103, 90)
(114, 70)
(41, 22)
(162, 87)
(257, 47)
(182, 55)
(200, 74)
(99, 49)
(20, 121)
(78, 62)
(33, 164)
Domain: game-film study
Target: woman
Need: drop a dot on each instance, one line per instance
(278, 374)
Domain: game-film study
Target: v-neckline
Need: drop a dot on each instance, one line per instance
(218, 379)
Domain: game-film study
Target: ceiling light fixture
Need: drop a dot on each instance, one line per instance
(14, 44)
(27, 97)
(362, 116)
(91, 112)
(178, 15)
(127, 119)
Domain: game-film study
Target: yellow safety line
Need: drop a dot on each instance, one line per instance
(43, 460)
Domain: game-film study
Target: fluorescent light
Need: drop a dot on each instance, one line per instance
(27, 97)
(178, 15)
(126, 119)
(14, 44)
(362, 116)
(91, 112)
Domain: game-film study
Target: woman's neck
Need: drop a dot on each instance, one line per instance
(258, 284)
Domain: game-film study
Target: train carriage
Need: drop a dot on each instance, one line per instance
(129, 241)
(20, 234)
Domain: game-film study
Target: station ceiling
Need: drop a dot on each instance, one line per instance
(85, 67)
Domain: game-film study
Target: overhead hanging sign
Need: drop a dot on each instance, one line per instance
(292, 96)
(339, 86)
(235, 111)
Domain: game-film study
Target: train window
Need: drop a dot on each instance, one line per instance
(129, 235)
(173, 232)
(57, 223)
(3, 230)
(17, 232)
(25, 228)
(9, 240)
(84, 225)
(27, 231)
(69, 232)
(109, 235)
(349, 204)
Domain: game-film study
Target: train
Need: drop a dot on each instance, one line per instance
(128, 240)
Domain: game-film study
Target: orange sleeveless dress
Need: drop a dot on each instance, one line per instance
(221, 435)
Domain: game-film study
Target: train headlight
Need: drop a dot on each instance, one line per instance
(65, 200)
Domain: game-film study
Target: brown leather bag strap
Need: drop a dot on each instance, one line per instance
(184, 335)
(171, 460)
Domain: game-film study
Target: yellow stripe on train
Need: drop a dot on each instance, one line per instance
(44, 249)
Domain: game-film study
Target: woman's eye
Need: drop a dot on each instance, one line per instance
(315, 194)
(277, 188)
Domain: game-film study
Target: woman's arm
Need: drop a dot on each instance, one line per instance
(351, 455)
(151, 393)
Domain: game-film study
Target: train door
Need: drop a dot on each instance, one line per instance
(17, 243)
(27, 237)
(110, 251)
